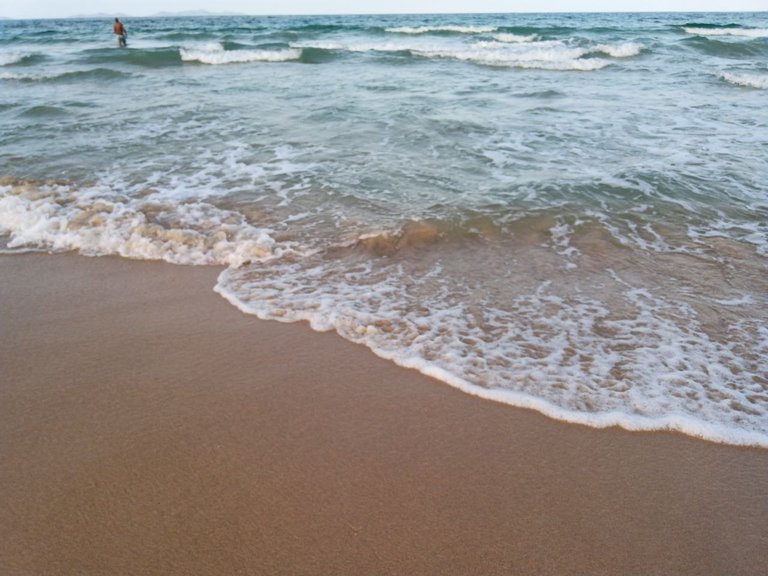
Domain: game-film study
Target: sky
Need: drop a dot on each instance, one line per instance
(59, 8)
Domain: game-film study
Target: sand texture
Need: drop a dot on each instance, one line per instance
(148, 427)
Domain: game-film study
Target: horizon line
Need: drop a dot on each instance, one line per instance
(206, 14)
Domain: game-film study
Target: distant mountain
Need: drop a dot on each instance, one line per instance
(99, 15)
(185, 14)
(188, 13)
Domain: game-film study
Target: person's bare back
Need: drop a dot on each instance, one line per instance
(119, 29)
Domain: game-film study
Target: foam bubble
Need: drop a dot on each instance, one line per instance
(759, 81)
(215, 53)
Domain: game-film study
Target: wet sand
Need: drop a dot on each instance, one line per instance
(148, 427)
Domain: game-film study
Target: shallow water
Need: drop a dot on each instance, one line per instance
(564, 212)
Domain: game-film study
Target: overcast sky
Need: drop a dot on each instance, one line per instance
(59, 8)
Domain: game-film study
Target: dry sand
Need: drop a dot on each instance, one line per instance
(148, 427)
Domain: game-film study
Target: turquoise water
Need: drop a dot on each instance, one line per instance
(562, 212)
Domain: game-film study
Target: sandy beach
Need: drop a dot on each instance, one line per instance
(148, 427)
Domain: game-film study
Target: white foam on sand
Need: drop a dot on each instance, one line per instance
(650, 367)
(644, 365)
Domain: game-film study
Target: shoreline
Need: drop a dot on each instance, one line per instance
(147, 426)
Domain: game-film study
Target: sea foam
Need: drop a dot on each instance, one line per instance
(96, 221)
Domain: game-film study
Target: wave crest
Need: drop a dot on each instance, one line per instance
(552, 55)
(72, 76)
(9, 58)
(515, 38)
(216, 54)
(545, 55)
(747, 80)
(447, 28)
(625, 50)
(727, 31)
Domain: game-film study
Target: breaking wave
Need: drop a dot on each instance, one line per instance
(546, 55)
(60, 217)
(20, 59)
(64, 77)
(515, 38)
(626, 50)
(448, 28)
(217, 54)
(698, 30)
(748, 80)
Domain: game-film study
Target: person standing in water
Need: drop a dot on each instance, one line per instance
(119, 29)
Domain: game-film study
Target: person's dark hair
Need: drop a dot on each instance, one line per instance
(117, 19)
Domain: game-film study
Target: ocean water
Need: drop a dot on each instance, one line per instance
(562, 212)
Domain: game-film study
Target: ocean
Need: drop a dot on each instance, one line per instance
(562, 212)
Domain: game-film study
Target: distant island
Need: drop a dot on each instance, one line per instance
(194, 13)
(184, 14)
(99, 15)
